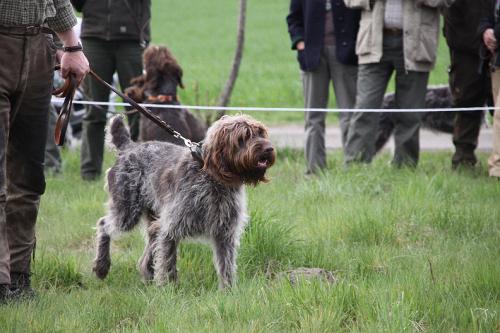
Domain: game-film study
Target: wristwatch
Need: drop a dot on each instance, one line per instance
(75, 48)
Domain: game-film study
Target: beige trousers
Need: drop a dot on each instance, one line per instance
(494, 160)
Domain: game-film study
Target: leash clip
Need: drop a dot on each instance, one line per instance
(196, 150)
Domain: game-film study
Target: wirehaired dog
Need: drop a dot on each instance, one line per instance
(180, 198)
(158, 85)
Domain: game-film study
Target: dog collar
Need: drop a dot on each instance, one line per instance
(197, 152)
(163, 98)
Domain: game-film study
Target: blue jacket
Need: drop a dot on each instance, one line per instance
(306, 22)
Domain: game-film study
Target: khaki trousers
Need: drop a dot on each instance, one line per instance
(494, 160)
(26, 76)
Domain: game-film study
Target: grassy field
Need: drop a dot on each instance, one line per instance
(202, 35)
(413, 251)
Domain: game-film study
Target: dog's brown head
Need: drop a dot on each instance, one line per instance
(237, 150)
(162, 75)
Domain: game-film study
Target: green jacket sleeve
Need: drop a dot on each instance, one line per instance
(65, 18)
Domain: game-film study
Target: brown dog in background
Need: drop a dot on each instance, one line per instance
(158, 85)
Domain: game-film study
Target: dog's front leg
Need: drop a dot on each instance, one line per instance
(225, 261)
(165, 260)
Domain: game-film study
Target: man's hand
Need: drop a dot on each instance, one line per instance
(301, 45)
(489, 40)
(75, 63)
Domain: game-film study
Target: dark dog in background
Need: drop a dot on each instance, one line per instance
(158, 85)
(436, 98)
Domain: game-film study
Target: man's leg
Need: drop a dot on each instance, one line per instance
(101, 58)
(128, 66)
(316, 84)
(12, 50)
(411, 88)
(469, 89)
(344, 78)
(26, 153)
(53, 162)
(494, 160)
(371, 85)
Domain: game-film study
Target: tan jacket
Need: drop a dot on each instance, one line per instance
(420, 31)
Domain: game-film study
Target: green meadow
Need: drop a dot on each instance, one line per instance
(411, 250)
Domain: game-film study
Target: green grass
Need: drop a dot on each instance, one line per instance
(413, 251)
(202, 36)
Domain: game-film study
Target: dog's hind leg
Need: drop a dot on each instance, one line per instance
(102, 261)
(225, 261)
(145, 264)
(165, 259)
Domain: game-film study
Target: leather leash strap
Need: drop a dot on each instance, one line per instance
(68, 91)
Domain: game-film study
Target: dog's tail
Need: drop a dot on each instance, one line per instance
(119, 134)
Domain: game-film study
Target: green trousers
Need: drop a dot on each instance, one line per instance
(105, 58)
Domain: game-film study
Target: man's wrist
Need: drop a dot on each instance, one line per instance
(75, 48)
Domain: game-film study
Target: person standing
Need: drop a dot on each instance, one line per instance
(114, 34)
(489, 29)
(399, 36)
(324, 35)
(469, 86)
(25, 93)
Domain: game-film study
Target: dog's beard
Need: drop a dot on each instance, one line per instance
(254, 161)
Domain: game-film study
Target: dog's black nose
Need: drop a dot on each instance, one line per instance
(269, 150)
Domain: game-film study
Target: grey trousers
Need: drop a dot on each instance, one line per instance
(316, 85)
(411, 88)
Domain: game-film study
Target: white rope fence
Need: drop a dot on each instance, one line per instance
(264, 109)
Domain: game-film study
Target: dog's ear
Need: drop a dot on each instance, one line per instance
(138, 81)
(136, 93)
(179, 80)
(176, 71)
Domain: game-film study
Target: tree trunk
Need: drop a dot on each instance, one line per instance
(225, 95)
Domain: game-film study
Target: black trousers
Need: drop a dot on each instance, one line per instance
(469, 88)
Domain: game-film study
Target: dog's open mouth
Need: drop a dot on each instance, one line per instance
(263, 163)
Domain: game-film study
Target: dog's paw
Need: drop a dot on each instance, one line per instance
(101, 268)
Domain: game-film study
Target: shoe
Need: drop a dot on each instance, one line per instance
(7, 295)
(90, 177)
(463, 165)
(21, 283)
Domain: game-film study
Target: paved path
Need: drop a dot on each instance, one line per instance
(293, 136)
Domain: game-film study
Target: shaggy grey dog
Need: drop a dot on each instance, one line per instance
(179, 197)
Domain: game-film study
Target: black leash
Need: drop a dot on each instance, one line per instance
(68, 91)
